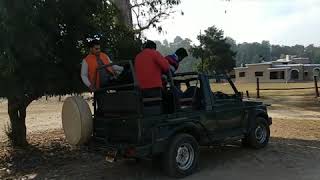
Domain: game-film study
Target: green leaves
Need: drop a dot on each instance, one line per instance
(215, 52)
(165, 48)
(43, 43)
(257, 52)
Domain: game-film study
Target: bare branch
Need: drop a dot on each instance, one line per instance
(153, 20)
(149, 13)
(138, 4)
(137, 14)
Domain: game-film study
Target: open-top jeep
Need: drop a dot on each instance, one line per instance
(129, 123)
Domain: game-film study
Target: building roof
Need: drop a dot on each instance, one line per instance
(281, 61)
(257, 64)
(279, 68)
(310, 65)
(288, 65)
(240, 68)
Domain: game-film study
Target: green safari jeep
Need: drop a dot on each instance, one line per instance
(171, 123)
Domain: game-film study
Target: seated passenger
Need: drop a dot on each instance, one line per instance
(93, 77)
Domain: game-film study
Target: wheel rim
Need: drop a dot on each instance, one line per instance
(185, 156)
(261, 133)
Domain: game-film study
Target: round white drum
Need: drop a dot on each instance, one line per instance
(76, 120)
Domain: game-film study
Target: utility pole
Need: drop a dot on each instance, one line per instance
(202, 65)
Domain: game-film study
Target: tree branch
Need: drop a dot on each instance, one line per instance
(29, 99)
(138, 4)
(151, 21)
(137, 16)
(148, 13)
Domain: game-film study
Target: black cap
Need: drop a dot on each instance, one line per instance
(181, 53)
(93, 43)
(150, 45)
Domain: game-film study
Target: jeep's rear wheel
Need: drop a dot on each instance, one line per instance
(259, 135)
(182, 157)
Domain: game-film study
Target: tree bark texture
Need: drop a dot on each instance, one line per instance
(17, 113)
(124, 7)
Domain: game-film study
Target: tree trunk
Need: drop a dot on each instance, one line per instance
(124, 7)
(17, 113)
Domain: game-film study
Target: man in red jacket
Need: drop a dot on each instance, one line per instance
(149, 66)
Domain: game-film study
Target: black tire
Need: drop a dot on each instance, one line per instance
(259, 135)
(188, 149)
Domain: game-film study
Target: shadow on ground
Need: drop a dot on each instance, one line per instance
(304, 102)
(282, 159)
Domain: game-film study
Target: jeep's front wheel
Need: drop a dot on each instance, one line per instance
(182, 157)
(259, 135)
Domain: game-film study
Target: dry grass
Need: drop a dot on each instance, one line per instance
(294, 145)
(251, 87)
(294, 105)
(296, 129)
(295, 113)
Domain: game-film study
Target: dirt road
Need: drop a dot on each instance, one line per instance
(45, 115)
(283, 159)
(293, 152)
(42, 115)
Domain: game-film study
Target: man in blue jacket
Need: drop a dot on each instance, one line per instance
(176, 58)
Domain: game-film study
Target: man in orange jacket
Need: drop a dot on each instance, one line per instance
(92, 78)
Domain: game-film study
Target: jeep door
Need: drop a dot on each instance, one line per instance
(228, 108)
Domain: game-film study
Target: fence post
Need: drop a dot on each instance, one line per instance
(258, 88)
(316, 85)
(248, 96)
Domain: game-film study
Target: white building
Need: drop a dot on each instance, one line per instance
(290, 69)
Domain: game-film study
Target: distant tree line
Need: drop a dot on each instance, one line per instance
(246, 53)
(262, 52)
(166, 48)
(43, 42)
(213, 54)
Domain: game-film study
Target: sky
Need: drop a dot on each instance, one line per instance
(283, 22)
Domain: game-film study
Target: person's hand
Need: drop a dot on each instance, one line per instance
(92, 88)
(115, 77)
(164, 77)
(117, 69)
